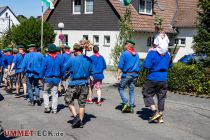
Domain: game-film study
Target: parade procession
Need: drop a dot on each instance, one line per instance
(75, 75)
(105, 69)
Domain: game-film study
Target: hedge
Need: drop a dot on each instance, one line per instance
(184, 78)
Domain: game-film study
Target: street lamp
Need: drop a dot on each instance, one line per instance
(61, 36)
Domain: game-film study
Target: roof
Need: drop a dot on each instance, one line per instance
(2, 9)
(142, 22)
(187, 13)
(145, 23)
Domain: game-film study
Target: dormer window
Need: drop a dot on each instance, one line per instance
(76, 6)
(145, 7)
(88, 6)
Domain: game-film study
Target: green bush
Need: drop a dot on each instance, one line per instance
(188, 78)
(184, 78)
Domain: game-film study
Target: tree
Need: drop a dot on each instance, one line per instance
(126, 32)
(29, 32)
(21, 18)
(202, 39)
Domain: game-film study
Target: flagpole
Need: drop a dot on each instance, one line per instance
(42, 26)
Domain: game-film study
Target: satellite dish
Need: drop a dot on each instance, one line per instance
(161, 7)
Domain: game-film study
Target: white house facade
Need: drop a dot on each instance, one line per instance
(98, 21)
(7, 19)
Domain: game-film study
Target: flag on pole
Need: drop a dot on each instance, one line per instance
(48, 3)
(126, 2)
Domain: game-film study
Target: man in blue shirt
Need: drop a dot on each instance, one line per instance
(129, 67)
(99, 67)
(16, 65)
(32, 68)
(52, 72)
(81, 69)
(7, 76)
(65, 58)
(157, 62)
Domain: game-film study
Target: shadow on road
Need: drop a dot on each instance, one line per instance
(86, 119)
(1, 97)
(144, 113)
(60, 107)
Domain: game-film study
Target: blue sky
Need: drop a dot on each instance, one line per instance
(23, 7)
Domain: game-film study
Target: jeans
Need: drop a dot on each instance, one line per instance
(31, 81)
(128, 80)
(53, 90)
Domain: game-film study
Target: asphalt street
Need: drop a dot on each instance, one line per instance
(186, 118)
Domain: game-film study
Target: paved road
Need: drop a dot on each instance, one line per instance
(186, 118)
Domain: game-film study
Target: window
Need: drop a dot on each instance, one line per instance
(183, 41)
(76, 6)
(149, 41)
(88, 6)
(176, 41)
(66, 39)
(95, 39)
(107, 41)
(6, 15)
(145, 7)
(85, 37)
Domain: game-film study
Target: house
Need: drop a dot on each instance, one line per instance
(98, 21)
(7, 19)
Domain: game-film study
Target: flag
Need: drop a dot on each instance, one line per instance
(126, 2)
(48, 3)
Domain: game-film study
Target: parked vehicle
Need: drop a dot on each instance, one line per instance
(193, 58)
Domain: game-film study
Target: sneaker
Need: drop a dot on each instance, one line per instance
(160, 120)
(81, 124)
(54, 112)
(76, 122)
(155, 116)
(125, 108)
(46, 110)
(131, 110)
(89, 101)
(99, 103)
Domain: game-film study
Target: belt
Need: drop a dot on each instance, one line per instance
(131, 73)
(79, 79)
(52, 77)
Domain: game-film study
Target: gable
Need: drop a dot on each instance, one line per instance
(104, 16)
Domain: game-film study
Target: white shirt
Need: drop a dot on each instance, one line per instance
(162, 41)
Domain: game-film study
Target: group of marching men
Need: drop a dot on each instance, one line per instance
(80, 74)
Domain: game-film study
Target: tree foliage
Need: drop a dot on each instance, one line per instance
(126, 32)
(202, 39)
(29, 32)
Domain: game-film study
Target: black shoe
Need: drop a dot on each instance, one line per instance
(17, 95)
(81, 124)
(76, 122)
(39, 102)
(46, 110)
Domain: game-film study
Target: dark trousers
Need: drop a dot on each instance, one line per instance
(152, 88)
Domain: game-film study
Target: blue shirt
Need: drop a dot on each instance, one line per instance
(18, 59)
(66, 57)
(52, 70)
(99, 66)
(80, 68)
(32, 64)
(158, 66)
(7, 60)
(129, 64)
